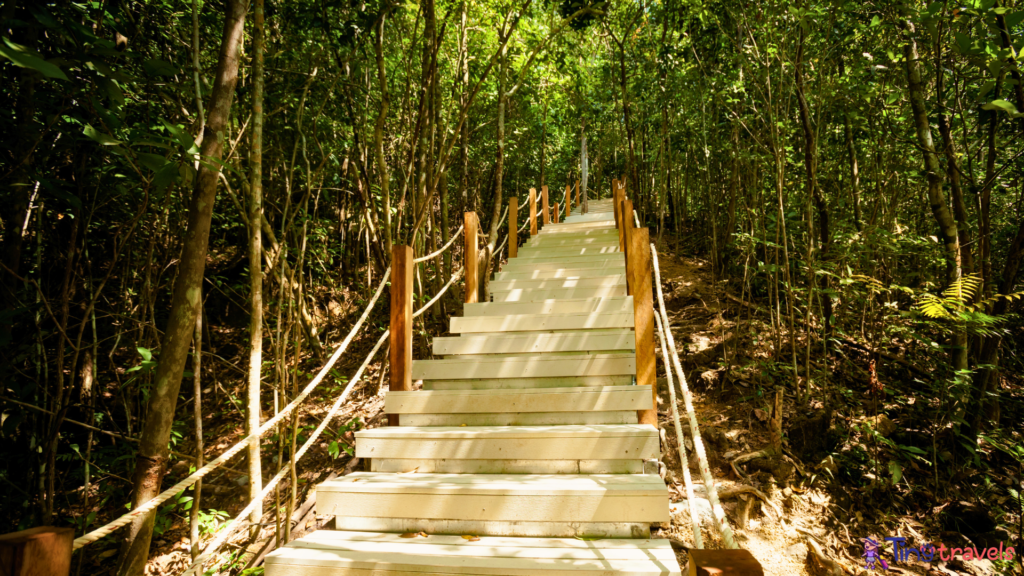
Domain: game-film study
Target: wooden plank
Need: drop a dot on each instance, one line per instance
(555, 283)
(606, 232)
(643, 311)
(612, 340)
(580, 263)
(486, 528)
(524, 366)
(40, 551)
(522, 418)
(509, 383)
(472, 288)
(578, 305)
(579, 399)
(548, 243)
(497, 497)
(513, 227)
(613, 442)
(545, 214)
(733, 562)
(529, 253)
(338, 552)
(539, 322)
(627, 228)
(400, 355)
(557, 273)
(533, 212)
(467, 466)
(542, 295)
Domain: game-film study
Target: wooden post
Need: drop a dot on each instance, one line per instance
(533, 212)
(402, 267)
(643, 317)
(556, 212)
(544, 214)
(568, 201)
(42, 551)
(513, 227)
(577, 193)
(626, 214)
(731, 562)
(472, 289)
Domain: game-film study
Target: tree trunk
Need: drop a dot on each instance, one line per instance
(151, 460)
(252, 419)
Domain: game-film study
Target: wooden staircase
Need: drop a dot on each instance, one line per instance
(522, 454)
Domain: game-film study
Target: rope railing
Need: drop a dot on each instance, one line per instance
(442, 249)
(239, 521)
(184, 484)
(698, 444)
(684, 462)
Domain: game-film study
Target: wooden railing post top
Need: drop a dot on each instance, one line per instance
(41, 551)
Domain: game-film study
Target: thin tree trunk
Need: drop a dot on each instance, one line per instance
(252, 420)
(151, 459)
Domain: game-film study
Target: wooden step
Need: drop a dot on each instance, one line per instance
(474, 466)
(566, 261)
(558, 273)
(558, 294)
(623, 340)
(541, 322)
(556, 241)
(556, 283)
(607, 233)
(573, 306)
(527, 253)
(496, 497)
(338, 553)
(607, 442)
(512, 383)
(525, 366)
(521, 418)
(586, 264)
(578, 399)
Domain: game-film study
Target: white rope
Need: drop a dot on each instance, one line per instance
(698, 444)
(442, 249)
(525, 204)
(173, 491)
(636, 219)
(228, 530)
(684, 462)
(237, 523)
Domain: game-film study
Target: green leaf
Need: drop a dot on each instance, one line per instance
(27, 58)
(1000, 105)
(875, 21)
(158, 67)
(896, 470)
(146, 354)
(1014, 19)
(100, 137)
(186, 141)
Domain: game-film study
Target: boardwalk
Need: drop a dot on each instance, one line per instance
(522, 454)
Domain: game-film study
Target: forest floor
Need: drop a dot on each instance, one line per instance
(806, 516)
(813, 518)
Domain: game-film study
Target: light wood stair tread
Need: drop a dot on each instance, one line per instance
(575, 399)
(327, 552)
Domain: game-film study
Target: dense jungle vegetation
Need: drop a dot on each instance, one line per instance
(198, 198)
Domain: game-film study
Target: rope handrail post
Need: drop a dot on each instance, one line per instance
(643, 319)
(617, 211)
(472, 291)
(626, 207)
(513, 230)
(400, 356)
(544, 215)
(577, 194)
(557, 209)
(533, 212)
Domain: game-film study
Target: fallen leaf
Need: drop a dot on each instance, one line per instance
(409, 535)
(422, 534)
(588, 538)
(761, 414)
(470, 537)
